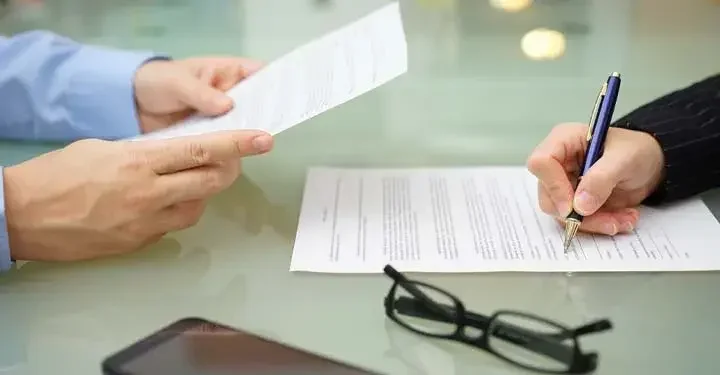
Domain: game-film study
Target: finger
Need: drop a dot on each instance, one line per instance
(242, 67)
(609, 222)
(595, 186)
(553, 180)
(152, 240)
(177, 154)
(198, 183)
(180, 216)
(229, 79)
(225, 76)
(222, 78)
(546, 202)
(201, 96)
(248, 66)
(208, 75)
(628, 219)
(225, 72)
(551, 160)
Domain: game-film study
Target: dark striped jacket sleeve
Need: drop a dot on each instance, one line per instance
(686, 123)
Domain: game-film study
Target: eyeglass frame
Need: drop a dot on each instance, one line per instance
(421, 306)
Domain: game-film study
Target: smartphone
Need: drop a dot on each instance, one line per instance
(195, 346)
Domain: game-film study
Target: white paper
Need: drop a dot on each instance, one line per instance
(311, 79)
(477, 220)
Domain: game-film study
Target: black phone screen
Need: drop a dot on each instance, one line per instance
(199, 347)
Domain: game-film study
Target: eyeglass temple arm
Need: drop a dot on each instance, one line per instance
(537, 342)
(597, 326)
(429, 304)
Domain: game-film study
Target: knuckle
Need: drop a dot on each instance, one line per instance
(231, 171)
(219, 178)
(240, 146)
(213, 180)
(566, 137)
(532, 160)
(136, 161)
(199, 153)
(537, 161)
(554, 190)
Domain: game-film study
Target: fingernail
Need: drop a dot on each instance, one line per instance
(633, 213)
(262, 143)
(610, 229)
(562, 208)
(628, 227)
(585, 202)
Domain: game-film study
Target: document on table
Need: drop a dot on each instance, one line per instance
(477, 220)
(311, 79)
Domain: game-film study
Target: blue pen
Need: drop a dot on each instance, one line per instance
(597, 132)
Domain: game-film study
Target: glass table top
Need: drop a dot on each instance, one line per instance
(487, 80)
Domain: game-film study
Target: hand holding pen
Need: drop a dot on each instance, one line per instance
(597, 134)
(594, 177)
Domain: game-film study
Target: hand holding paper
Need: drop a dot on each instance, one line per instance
(167, 92)
(312, 79)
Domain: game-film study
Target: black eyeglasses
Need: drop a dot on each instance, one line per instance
(525, 340)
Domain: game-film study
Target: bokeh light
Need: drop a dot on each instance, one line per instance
(511, 5)
(543, 44)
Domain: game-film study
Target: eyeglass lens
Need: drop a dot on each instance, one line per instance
(413, 313)
(546, 349)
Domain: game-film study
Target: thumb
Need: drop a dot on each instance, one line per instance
(182, 153)
(597, 184)
(202, 97)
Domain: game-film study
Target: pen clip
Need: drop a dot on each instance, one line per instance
(593, 117)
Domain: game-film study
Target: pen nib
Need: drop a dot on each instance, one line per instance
(571, 228)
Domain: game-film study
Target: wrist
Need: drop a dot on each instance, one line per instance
(657, 156)
(142, 87)
(14, 216)
(6, 260)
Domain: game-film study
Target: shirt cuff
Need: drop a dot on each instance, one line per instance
(101, 98)
(5, 260)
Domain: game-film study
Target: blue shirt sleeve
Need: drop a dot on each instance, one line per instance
(5, 261)
(55, 89)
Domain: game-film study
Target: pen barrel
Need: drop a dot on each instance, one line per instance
(600, 130)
